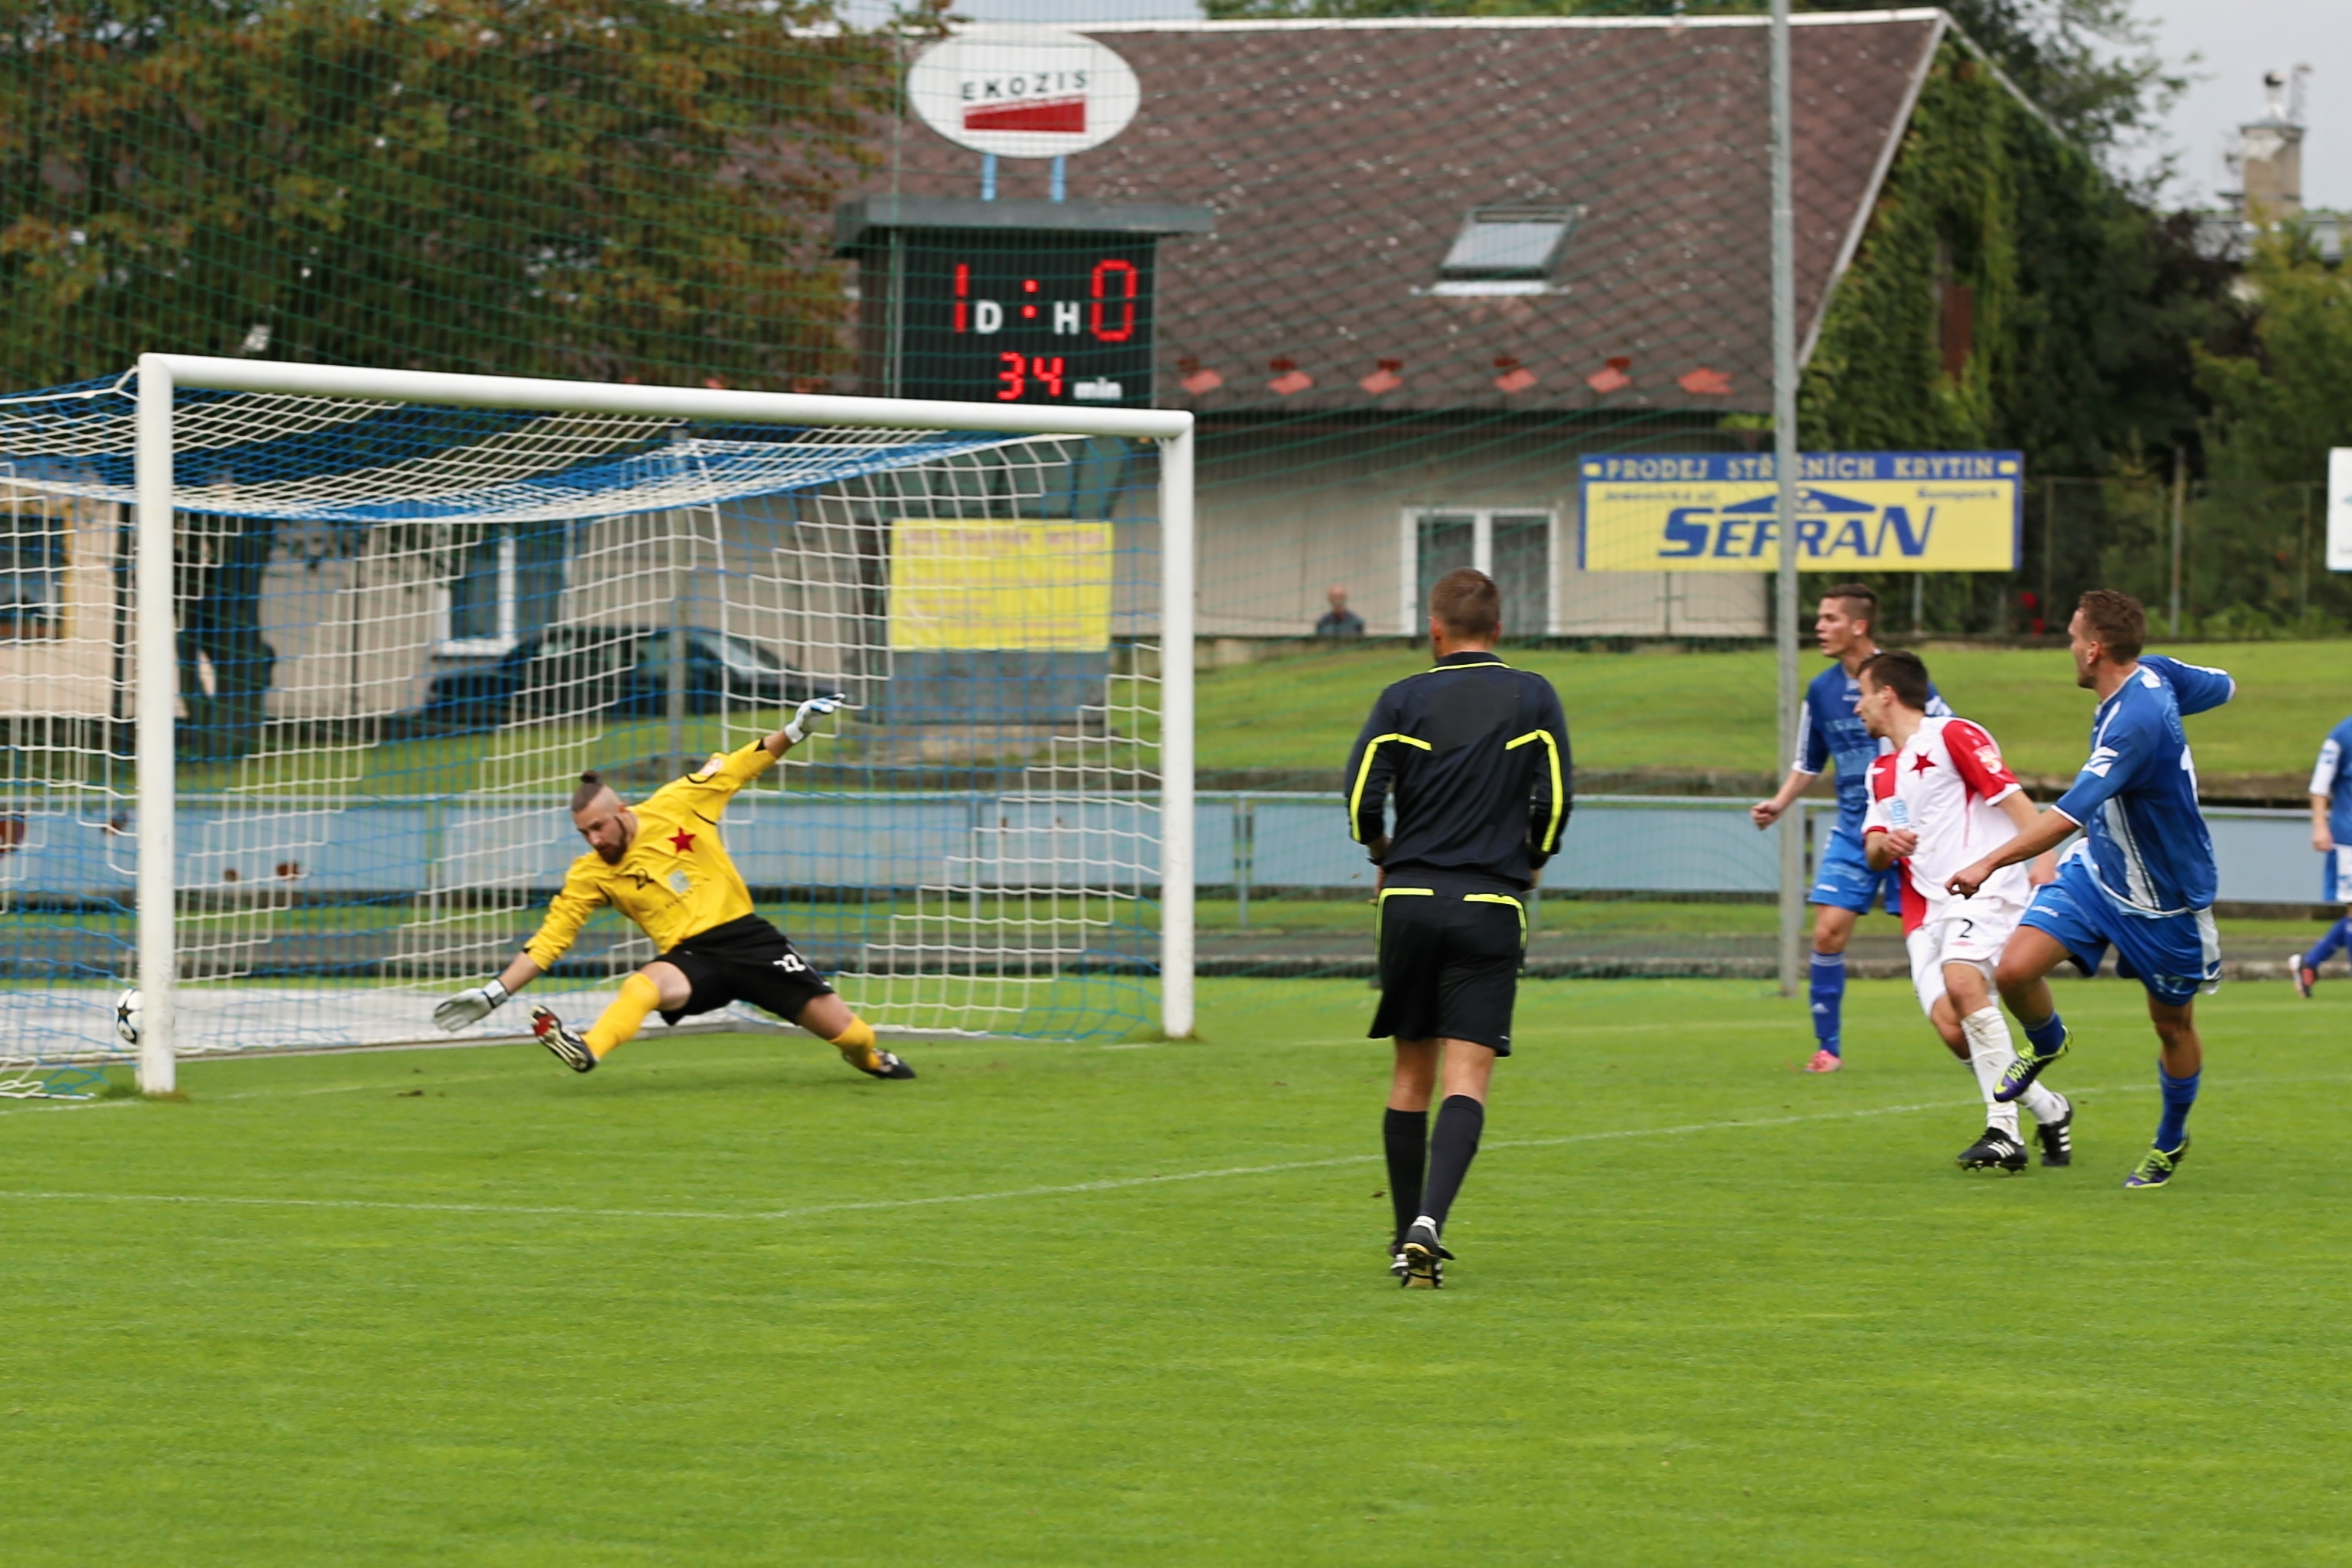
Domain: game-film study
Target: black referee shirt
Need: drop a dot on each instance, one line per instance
(1475, 754)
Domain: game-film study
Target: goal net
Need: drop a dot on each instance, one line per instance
(299, 667)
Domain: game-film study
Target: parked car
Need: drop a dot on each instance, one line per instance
(618, 669)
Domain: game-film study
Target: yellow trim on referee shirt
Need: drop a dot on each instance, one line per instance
(1551, 749)
(1489, 664)
(1502, 899)
(1364, 776)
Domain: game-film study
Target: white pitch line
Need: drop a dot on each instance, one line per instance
(1110, 1185)
(1062, 1189)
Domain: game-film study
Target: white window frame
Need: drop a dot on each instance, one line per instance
(499, 644)
(1410, 614)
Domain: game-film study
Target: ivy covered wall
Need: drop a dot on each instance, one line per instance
(2007, 294)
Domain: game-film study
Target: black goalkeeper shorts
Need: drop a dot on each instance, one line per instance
(1451, 948)
(746, 960)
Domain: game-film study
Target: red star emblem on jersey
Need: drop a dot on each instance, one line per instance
(681, 841)
(1921, 762)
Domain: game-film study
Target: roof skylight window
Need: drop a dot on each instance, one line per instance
(1506, 250)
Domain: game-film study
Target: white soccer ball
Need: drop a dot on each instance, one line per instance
(126, 1016)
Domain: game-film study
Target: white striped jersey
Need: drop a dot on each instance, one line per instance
(1945, 785)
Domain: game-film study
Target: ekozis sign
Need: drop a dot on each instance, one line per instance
(1023, 92)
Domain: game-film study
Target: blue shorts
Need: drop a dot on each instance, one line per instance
(2174, 956)
(1843, 880)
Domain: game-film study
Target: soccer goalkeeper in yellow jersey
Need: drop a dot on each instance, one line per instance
(662, 865)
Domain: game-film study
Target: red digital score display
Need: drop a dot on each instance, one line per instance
(1049, 321)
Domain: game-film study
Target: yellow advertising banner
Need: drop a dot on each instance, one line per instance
(1717, 512)
(959, 583)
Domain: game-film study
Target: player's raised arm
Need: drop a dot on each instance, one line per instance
(2196, 688)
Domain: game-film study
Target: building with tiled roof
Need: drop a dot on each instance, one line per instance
(1451, 255)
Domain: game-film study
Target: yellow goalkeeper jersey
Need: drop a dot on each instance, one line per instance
(676, 880)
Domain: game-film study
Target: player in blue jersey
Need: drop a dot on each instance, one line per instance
(1829, 731)
(2331, 835)
(2142, 880)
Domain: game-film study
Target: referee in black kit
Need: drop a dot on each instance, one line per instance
(1475, 754)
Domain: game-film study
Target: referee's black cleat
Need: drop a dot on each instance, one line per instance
(886, 1065)
(2057, 1137)
(1424, 1260)
(569, 1048)
(1398, 1264)
(1996, 1151)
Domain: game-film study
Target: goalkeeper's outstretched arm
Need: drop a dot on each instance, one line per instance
(477, 1003)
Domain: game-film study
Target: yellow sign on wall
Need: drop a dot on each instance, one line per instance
(1717, 512)
(959, 583)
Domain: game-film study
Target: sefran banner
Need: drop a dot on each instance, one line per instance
(1716, 511)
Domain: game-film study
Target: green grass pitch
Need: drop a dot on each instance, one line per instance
(723, 1302)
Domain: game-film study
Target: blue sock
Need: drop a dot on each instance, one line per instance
(2180, 1094)
(2045, 1035)
(2335, 939)
(1829, 996)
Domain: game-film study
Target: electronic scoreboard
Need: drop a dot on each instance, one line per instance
(1013, 302)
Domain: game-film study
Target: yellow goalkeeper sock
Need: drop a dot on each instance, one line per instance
(855, 1045)
(622, 1020)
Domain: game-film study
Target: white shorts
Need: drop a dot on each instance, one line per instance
(1971, 931)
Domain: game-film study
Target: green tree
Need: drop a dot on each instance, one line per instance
(2277, 407)
(626, 188)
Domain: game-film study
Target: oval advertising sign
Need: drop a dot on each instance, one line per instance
(1023, 92)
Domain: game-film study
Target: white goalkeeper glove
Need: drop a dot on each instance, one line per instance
(814, 708)
(470, 1006)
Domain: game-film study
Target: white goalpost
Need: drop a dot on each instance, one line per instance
(1002, 840)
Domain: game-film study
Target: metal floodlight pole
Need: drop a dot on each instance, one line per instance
(1176, 622)
(158, 696)
(1784, 469)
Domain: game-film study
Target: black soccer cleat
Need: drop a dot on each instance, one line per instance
(1398, 1264)
(1424, 1260)
(1996, 1151)
(569, 1048)
(887, 1064)
(2057, 1137)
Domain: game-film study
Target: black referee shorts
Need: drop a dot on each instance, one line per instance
(746, 960)
(1451, 948)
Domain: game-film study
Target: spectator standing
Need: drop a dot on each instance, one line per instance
(1340, 621)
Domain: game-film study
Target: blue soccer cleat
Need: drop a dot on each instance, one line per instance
(2157, 1168)
(2018, 1075)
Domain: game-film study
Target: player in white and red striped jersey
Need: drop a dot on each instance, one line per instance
(1942, 800)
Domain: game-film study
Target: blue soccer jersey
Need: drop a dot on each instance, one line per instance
(2135, 798)
(1829, 731)
(2333, 778)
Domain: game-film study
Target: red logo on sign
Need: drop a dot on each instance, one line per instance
(1064, 114)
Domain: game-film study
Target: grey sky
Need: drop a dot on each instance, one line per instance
(2239, 40)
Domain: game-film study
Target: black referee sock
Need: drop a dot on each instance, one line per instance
(1460, 1120)
(1405, 1135)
